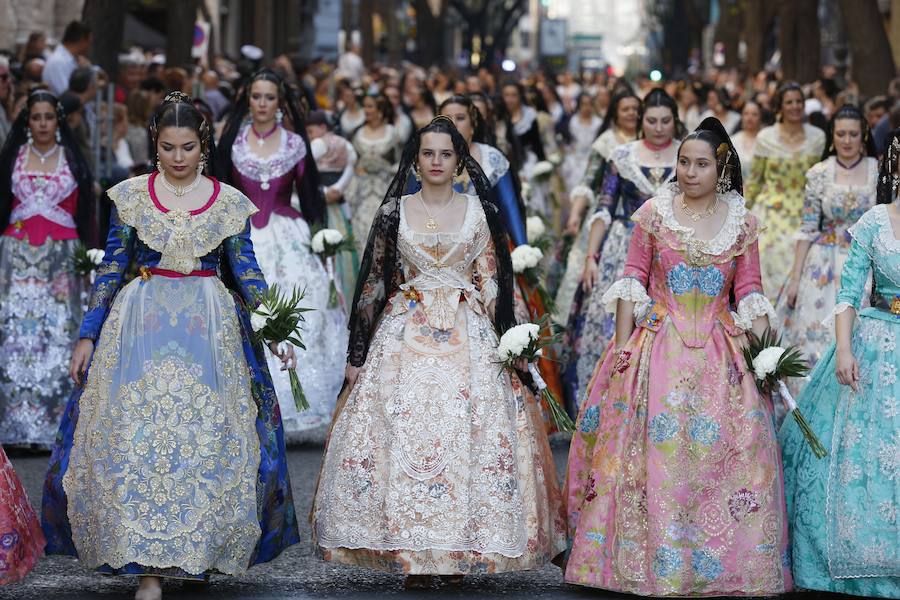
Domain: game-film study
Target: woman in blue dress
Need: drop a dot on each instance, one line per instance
(170, 460)
(843, 509)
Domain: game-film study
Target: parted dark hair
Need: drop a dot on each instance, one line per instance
(381, 272)
(312, 203)
(383, 104)
(784, 89)
(612, 113)
(658, 97)
(849, 111)
(713, 133)
(78, 166)
(178, 110)
(75, 32)
(478, 125)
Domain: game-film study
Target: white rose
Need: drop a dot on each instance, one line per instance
(766, 361)
(542, 168)
(258, 321)
(317, 244)
(534, 227)
(333, 237)
(96, 255)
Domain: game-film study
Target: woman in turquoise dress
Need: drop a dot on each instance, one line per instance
(170, 461)
(843, 508)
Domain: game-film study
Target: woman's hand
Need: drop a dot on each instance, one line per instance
(351, 375)
(287, 357)
(847, 368)
(590, 274)
(333, 195)
(791, 291)
(81, 356)
(573, 223)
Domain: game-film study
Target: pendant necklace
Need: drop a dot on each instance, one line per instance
(431, 223)
(44, 155)
(261, 137)
(181, 190)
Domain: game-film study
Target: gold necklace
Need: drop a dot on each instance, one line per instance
(704, 214)
(181, 190)
(431, 223)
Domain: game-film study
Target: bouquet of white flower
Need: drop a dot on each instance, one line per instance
(277, 318)
(85, 262)
(526, 262)
(536, 231)
(770, 362)
(555, 158)
(542, 169)
(526, 342)
(327, 243)
(526, 191)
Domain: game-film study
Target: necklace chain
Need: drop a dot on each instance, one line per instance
(44, 155)
(181, 190)
(431, 223)
(261, 137)
(698, 215)
(850, 166)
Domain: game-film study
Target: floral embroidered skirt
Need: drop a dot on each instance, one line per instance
(843, 508)
(591, 326)
(674, 483)
(40, 310)
(803, 325)
(282, 251)
(21, 540)
(435, 464)
(170, 460)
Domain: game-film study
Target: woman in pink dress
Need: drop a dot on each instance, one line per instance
(674, 483)
(21, 540)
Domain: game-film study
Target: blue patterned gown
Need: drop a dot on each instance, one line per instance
(170, 460)
(843, 509)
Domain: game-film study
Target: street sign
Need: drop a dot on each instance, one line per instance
(553, 37)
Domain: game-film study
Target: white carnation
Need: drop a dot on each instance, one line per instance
(333, 237)
(525, 257)
(317, 244)
(542, 168)
(526, 190)
(766, 361)
(96, 255)
(534, 227)
(258, 321)
(516, 340)
(555, 158)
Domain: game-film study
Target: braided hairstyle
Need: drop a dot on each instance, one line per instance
(78, 166)
(381, 273)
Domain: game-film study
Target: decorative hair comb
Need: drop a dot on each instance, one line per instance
(176, 97)
(442, 118)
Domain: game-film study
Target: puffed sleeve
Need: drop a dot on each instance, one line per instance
(118, 254)
(812, 207)
(484, 270)
(748, 291)
(609, 195)
(632, 287)
(238, 250)
(855, 274)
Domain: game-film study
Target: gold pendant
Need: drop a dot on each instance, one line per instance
(431, 224)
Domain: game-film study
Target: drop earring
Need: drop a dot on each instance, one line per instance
(279, 116)
(28, 136)
(159, 166)
(58, 137)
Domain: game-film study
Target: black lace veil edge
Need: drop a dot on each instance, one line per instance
(887, 173)
(381, 274)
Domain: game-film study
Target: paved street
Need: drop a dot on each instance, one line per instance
(297, 574)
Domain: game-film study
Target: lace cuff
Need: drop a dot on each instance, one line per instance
(601, 215)
(630, 290)
(753, 306)
(838, 309)
(584, 191)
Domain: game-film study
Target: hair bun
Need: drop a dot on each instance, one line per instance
(177, 97)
